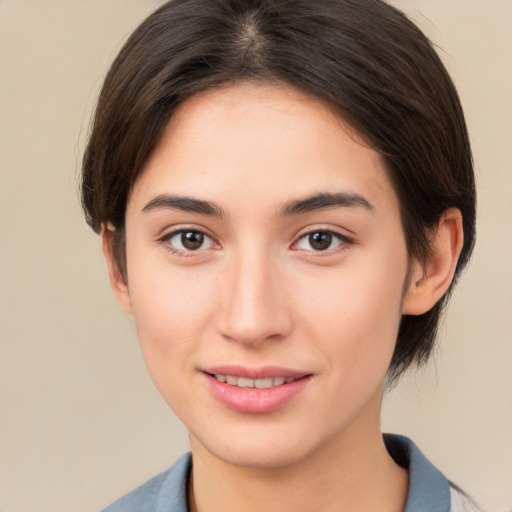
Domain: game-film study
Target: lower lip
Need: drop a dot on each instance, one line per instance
(253, 400)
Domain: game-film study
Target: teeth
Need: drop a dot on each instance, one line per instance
(264, 383)
(244, 382)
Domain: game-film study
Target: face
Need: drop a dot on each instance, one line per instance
(266, 264)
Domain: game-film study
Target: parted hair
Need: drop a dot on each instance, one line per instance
(364, 57)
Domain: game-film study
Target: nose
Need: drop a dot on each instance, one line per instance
(254, 306)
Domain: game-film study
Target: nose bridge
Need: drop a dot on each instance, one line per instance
(254, 309)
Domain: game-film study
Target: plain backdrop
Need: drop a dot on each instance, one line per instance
(80, 422)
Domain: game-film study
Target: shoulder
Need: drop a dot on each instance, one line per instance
(165, 491)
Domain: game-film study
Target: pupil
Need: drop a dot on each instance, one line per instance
(320, 241)
(192, 240)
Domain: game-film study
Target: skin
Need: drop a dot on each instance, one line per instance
(258, 292)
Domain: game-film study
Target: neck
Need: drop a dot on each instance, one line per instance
(352, 472)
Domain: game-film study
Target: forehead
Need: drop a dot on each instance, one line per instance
(264, 143)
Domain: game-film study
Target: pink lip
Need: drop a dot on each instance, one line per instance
(253, 400)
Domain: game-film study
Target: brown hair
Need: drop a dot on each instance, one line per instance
(365, 57)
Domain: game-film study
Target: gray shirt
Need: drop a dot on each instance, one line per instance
(429, 490)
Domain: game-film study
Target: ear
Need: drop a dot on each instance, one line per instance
(431, 279)
(117, 281)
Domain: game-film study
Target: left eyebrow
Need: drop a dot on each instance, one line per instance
(185, 204)
(326, 200)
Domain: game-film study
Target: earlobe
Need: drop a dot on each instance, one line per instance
(430, 279)
(117, 281)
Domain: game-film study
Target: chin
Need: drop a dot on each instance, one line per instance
(257, 452)
(260, 458)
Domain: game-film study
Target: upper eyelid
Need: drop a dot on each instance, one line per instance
(167, 233)
(309, 231)
(166, 236)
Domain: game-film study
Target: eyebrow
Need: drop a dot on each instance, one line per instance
(185, 204)
(326, 200)
(308, 204)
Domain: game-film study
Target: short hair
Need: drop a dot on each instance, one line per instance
(364, 57)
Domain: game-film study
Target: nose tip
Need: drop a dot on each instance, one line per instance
(255, 309)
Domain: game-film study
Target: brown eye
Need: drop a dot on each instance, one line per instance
(192, 240)
(320, 241)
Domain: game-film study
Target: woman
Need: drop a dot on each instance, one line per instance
(285, 196)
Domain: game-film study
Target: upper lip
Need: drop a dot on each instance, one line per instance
(263, 372)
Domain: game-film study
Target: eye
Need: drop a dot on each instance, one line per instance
(188, 240)
(319, 241)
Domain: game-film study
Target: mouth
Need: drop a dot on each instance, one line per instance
(245, 382)
(255, 391)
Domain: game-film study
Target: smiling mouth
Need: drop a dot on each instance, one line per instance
(255, 391)
(245, 382)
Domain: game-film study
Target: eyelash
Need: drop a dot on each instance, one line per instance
(343, 242)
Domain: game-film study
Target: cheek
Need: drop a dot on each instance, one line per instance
(170, 308)
(356, 313)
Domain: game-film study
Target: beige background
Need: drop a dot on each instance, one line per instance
(80, 421)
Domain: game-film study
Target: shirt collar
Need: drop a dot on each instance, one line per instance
(429, 490)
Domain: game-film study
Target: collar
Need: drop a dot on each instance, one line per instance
(429, 491)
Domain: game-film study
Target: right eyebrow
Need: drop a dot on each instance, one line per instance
(185, 204)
